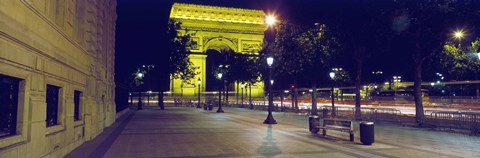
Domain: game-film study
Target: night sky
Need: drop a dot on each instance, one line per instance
(142, 23)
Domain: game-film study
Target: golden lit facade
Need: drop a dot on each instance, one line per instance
(60, 54)
(218, 28)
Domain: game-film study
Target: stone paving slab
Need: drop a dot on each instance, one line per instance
(192, 132)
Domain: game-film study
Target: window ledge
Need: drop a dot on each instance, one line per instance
(8, 141)
(54, 129)
(78, 123)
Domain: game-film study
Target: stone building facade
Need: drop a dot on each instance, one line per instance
(56, 74)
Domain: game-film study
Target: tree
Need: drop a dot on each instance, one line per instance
(425, 26)
(178, 49)
(363, 32)
(320, 48)
(303, 51)
(461, 61)
(237, 67)
(342, 78)
(286, 49)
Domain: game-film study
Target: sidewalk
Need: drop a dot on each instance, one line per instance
(192, 132)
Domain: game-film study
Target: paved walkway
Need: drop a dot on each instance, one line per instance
(191, 132)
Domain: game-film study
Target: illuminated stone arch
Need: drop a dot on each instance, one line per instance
(217, 28)
(220, 44)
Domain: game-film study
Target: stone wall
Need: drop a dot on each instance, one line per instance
(66, 43)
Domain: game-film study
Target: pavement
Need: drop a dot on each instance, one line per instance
(192, 132)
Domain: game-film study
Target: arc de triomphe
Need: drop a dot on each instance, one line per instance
(216, 28)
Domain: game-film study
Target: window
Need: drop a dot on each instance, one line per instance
(8, 105)
(76, 101)
(53, 93)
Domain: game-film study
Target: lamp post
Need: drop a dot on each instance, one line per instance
(139, 107)
(199, 82)
(250, 96)
(476, 75)
(270, 119)
(220, 110)
(332, 76)
(243, 86)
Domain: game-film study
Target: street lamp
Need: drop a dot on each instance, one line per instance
(220, 110)
(199, 82)
(458, 34)
(139, 107)
(243, 86)
(270, 20)
(270, 119)
(332, 76)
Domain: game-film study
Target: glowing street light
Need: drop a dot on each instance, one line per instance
(220, 110)
(332, 76)
(270, 20)
(270, 61)
(458, 34)
(139, 107)
(270, 119)
(199, 82)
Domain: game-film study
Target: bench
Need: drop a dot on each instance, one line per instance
(338, 125)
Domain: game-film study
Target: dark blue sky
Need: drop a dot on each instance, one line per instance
(142, 23)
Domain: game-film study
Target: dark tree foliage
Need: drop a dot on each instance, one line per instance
(426, 26)
(179, 65)
(305, 53)
(460, 61)
(178, 49)
(363, 29)
(237, 67)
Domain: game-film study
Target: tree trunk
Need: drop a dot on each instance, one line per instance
(314, 98)
(417, 94)
(295, 93)
(292, 97)
(358, 86)
(160, 100)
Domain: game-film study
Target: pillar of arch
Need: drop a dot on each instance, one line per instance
(217, 28)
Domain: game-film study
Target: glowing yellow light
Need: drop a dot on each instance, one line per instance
(459, 34)
(270, 20)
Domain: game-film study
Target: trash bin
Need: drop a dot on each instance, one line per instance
(313, 122)
(210, 107)
(204, 106)
(367, 133)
